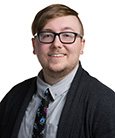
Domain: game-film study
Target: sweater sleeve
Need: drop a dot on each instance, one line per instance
(102, 114)
(11, 104)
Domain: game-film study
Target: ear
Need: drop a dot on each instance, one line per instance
(33, 41)
(82, 46)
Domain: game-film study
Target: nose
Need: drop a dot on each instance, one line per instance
(57, 43)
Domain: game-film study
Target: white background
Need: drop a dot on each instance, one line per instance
(17, 61)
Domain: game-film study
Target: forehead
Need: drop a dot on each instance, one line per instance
(63, 23)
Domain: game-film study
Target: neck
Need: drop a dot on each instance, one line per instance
(52, 78)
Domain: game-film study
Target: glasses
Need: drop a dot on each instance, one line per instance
(64, 37)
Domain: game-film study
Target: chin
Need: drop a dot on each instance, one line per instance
(58, 67)
(57, 70)
(61, 71)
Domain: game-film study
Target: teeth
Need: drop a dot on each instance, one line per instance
(60, 55)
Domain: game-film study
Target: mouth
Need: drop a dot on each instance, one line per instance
(57, 55)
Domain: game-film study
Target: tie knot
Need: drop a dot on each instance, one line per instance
(47, 91)
(47, 95)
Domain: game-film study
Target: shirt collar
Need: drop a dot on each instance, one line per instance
(57, 89)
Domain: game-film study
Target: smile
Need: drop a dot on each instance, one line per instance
(57, 55)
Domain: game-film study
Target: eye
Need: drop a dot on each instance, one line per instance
(67, 35)
(46, 36)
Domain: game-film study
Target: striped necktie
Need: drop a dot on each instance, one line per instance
(40, 120)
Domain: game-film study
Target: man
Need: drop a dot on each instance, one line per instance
(79, 106)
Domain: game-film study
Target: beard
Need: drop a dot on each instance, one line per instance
(60, 72)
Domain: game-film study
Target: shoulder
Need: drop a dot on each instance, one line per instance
(24, 84)
(20, 89)
(18, 96)
(100, 100)
(98, 88)
(92, 88)
(100, 103)
(97, 96)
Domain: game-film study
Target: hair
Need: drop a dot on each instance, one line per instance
(52, 12)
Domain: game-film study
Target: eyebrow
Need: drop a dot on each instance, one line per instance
(50, 30)
(65, 28)
(68, 28)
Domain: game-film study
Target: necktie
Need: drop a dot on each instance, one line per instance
(40, 119)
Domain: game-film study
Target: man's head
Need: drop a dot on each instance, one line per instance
(51, 12)
(58, 43)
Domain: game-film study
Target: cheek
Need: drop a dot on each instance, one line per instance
(42, 54)
(40, 49)
(74, 50)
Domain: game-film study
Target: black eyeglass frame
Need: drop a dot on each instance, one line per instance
(58, 34)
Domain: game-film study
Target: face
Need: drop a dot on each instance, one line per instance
(58, 57)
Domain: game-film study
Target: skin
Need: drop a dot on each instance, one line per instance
(56, 68)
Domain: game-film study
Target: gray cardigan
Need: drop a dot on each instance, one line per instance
(89, 110)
